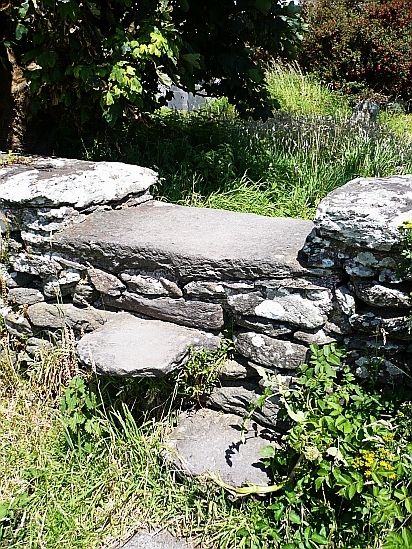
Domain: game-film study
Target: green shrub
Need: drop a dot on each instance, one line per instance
(345, 467)
(361, 47)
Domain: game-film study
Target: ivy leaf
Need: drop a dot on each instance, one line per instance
(21, 30)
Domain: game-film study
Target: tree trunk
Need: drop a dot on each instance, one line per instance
(6, 101)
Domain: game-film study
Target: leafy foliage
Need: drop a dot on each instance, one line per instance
(361, 47)
(110, 56)
(346, 462)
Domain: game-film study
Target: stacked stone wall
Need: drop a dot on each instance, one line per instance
(83, 242)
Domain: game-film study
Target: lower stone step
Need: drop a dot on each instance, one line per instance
(136, 347)
(154, 540)
(210, 442)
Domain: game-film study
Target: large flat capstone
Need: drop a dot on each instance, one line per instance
(192, 243)
(136, 347)
(78, 183)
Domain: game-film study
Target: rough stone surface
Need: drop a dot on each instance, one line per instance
(270, 352)
(292, 309)
(105, 283)
(21, 296)
(151, 283)
(234, 369)
(366, 212)
(375, 294)
(154, 540)
(236, 463)
(60, 181)
(18, 325)
(46, 316)
(208, 316)
(193, 243)
(235, 397)
(134, 347)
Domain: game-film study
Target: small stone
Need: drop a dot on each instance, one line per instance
(106, 283)
(377, 295)
(150, 283)
(274, 353)
(84, 294)
(18, 325)
(319, 337)
(24, 296)
(233, 369)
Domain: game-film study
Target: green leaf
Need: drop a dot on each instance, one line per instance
(407, 537)
(294, 517)
(21, 30)
(318, 538)
(267, 451)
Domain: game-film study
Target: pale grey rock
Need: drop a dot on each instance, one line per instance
(35, 264)
(22, 296)
(274, 353)
(345, 301)
(366, 212)
(64, 284)
(154, 540)
(134, 347)
(193, 243)
(84, 320)
(84, 293)
(263, 325)
(292, 309)
(377, 295)
(235, 397)
(150, 284)
(46, 316)
(18, 325)
(207, 441)
(106, 283)
(208, 316)
(59, 182)
(233, 369)
(217, 289)
(318, 337)
(205, 290)
(38, 224)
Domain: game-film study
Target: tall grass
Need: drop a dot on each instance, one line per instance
(67, 485)
(282, 167)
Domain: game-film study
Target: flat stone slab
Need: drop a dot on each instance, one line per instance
(155, 540)
(62, 181)
(209, 441)
(136, 347)
(366, 212)
(192, 243)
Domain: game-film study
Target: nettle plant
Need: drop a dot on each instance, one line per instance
(345, 466)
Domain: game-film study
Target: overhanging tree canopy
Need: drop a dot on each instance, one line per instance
(107, 58)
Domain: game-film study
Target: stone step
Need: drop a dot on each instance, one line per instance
(207, 441)
(134, 347)
(154, 540)
(191, 243)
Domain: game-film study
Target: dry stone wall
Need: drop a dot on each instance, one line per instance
(83, 242)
